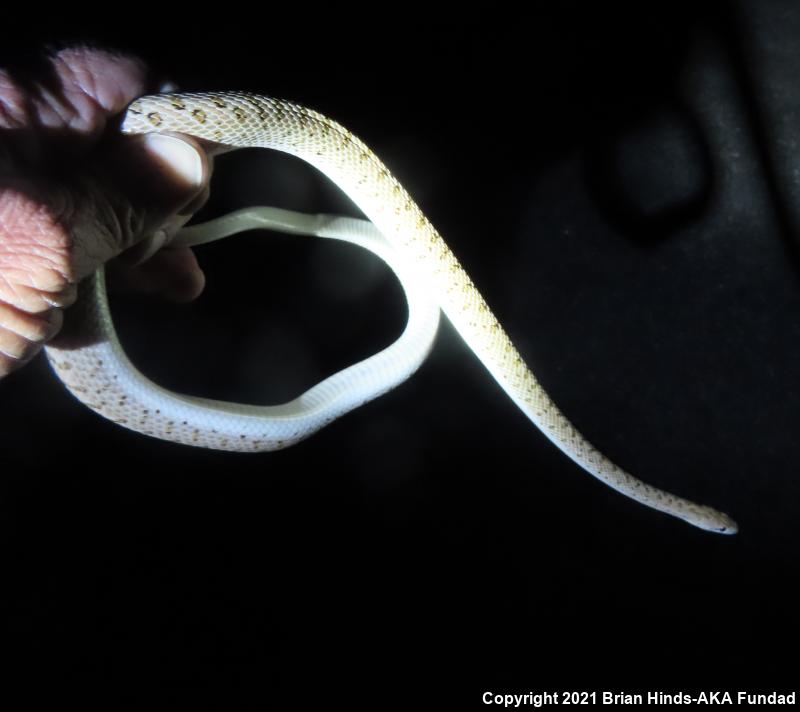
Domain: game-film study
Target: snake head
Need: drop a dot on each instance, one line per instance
(712, 521)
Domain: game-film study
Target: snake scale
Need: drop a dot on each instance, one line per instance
(100, 376)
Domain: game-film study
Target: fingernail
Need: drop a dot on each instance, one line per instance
(179, 155)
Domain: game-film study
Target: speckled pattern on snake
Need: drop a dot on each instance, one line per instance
(100, 376)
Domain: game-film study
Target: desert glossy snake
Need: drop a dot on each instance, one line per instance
(99, 374)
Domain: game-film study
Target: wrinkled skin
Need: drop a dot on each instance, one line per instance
(75, 194)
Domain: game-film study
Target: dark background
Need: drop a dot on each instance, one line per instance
(622, 186)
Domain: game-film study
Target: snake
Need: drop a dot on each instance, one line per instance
(93, 366)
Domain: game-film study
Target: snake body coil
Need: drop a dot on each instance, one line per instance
(246, 120)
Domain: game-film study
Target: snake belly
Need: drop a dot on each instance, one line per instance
(247, 120)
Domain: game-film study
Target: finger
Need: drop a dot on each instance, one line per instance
(32, 327)
(15, 352)
(61, 299)
(22, 335)
(173, 274)
(95, 84)
(163, 174)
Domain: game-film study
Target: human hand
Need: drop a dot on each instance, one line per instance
(74, 194)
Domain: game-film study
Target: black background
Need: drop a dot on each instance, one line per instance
(622, 187)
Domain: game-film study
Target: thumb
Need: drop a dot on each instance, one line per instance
(134, 198)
